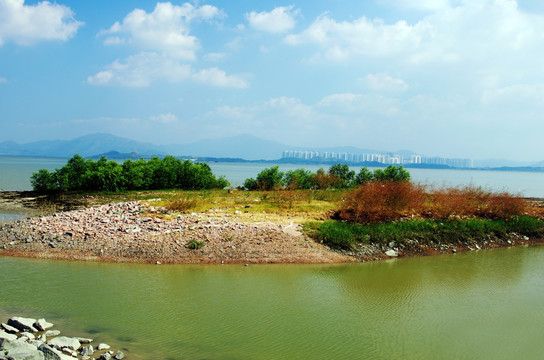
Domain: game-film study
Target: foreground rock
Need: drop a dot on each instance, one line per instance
(47, 345)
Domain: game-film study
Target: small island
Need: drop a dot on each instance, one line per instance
(295, 217)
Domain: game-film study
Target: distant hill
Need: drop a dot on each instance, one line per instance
(87, 145)
(246, 147)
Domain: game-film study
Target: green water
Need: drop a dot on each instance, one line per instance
(480, 305)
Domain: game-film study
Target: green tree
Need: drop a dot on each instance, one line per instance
(299, 179)
(270, 179)
(104, 175)
(44, 181)
(71, 176)
(391, 173)
(364, 175)
(344, 176)
(250, 184)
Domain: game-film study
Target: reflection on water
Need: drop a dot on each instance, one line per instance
(477, 305)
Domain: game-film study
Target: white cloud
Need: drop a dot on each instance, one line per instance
(166, 29)
(485, 31)
(29, 24)
(217, 77)
(164, 35)
(168, 118)
(384, 82)
(279, 20)
(140, 70)
(3, 80)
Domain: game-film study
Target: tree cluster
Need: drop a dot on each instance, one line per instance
(339, 176)
(81, 174)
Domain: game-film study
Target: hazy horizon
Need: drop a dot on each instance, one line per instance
(450, 78)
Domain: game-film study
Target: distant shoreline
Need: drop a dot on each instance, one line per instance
(372, 164)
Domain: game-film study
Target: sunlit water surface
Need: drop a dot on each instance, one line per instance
(479, 305)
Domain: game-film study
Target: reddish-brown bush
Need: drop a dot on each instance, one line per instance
(385, 201)
(377, 201)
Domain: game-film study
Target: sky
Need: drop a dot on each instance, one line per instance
(452, 78)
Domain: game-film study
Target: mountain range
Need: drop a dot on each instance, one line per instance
(242, 146)
(246, 147)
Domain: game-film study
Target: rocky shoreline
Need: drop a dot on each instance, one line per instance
(30, 339)
(138, 232)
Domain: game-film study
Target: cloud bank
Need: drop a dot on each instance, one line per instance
(29, 24)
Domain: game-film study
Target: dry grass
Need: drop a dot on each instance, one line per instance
(388, 201)
(254, 205)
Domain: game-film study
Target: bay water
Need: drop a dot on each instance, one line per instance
(15, 173)
(478, 305)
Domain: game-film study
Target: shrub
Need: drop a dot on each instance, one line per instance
(391, 173)
(299, 179)
(43, 181)
(270, 179)
(323, 181)
(343, 175)
(472, 201)
(103, 175)
(363, 176)
(194, 244)
(250, 184)
(505, 206)
(378, 201)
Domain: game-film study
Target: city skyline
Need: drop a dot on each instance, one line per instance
(387, 158)
(461, 79)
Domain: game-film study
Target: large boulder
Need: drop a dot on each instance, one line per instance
(51, 333)
(52, 353)
(86, 351)
(61, 342)
(7, 336)
(105, 356)
(19, 349)
(42, 325)
(9, 329)
(391, 253)
(23, 324)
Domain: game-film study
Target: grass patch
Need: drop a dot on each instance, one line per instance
(344, 235)
(194, 244)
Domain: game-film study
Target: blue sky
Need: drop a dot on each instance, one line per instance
(440, 77)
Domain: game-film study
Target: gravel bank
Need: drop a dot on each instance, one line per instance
(136, 232)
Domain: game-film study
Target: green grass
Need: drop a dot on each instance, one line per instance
(194, 244)
(344, 235)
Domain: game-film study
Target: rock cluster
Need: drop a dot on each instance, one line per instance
(135, 231)
(30, 339)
